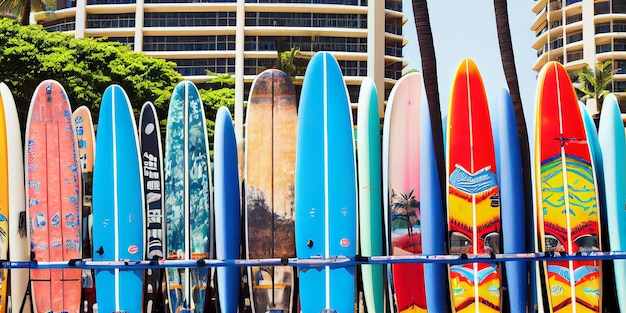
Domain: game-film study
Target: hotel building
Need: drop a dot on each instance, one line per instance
(244, 37)
(580, 33)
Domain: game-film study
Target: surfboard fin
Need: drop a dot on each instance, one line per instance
(309, 243)
(100, 251)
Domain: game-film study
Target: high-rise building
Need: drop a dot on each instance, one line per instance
(581, 33)
(201, 35)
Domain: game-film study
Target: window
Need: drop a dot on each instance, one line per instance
(603, 28)
(574, 37)
(619, 27)
(557, 43)
(574, 55)
(574, 18)
(602, 8)
(111, 20)
(603, 48)
(619, 45)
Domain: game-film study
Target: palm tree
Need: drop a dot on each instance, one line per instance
(429, 70)
(403, 207)
(593, 82)
(510, 73)
(220, 79)
(290, 62)
(22, 8)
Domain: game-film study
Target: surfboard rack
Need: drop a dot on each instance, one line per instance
(340, 261)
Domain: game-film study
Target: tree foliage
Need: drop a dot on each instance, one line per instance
(289, 63)
(593, 82)
(22, 8)
(85, 67)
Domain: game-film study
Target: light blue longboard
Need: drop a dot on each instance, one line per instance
(152, 170)
(370, 192)
(227, 210)
(187, 197)
(118, 204)
(512, 201)
(325, 187)
(613, 145)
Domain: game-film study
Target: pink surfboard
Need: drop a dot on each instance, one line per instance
(52, 193)
(401, 187)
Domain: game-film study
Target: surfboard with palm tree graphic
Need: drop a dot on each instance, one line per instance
(401, 187)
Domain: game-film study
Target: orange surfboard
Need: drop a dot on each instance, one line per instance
(473, 194)
(52, 193)
(86, 141)
(5, 180)
(566, 196)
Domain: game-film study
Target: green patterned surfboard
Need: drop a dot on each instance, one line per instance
(187, 197)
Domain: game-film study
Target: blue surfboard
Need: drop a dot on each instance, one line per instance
(613, 145)
(512, 201)
(433, 220)
(227, 210)
(325, 187)
(118, 204)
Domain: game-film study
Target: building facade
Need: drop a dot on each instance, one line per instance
(243, 37)
(580, 33)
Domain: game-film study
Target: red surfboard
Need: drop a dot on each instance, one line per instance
(566, 197)
(473, 194)
(54, 204)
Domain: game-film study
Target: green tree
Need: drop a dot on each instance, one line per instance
(288, 60)
(593, 82)
(85, 67)
(213, 99)
(22, 8)
(220, 79)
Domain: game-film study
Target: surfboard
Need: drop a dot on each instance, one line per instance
(325, 187)
(5, 180)
(19, 247)
(432, 220)
(188, 204)
(270, 164)
(613, 146)
(118, 215)
(52, 195)
(401, 188)
(152, 173)
(513, 212)
(86, 140)
(227, 210)
(473, 194)
(370, 192)
(566, 198)
(13, 238)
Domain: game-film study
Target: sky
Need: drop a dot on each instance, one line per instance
(467, 29)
